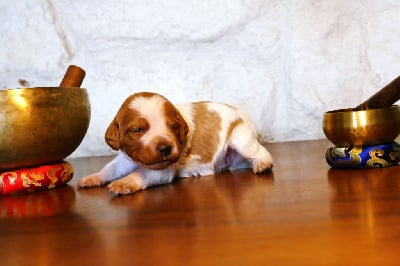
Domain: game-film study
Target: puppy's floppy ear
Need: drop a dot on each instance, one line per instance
(112, 135)
(183, 127)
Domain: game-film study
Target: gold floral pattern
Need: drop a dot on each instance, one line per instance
(35, 178)
(364, 157)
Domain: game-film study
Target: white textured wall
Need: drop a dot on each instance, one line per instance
(285, 62)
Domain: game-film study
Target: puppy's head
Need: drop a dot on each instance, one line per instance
(149, 129)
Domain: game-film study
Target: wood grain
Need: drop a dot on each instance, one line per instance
(303, 213)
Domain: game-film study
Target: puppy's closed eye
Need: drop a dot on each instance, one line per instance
(174, 126)
(135, 133)
(139, 130)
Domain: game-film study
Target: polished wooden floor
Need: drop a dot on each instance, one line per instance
(303, 213)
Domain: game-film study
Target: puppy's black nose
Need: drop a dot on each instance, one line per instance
(164, 150)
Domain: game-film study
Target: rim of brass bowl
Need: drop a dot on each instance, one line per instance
(346, 127)
(41, 125)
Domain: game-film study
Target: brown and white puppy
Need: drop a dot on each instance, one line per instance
(159, 141)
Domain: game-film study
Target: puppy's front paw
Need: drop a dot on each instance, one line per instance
(127, 185)
(93, 180)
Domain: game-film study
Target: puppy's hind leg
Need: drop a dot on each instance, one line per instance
(244, 140)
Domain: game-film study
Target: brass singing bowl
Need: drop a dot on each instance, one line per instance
(41, 125)
(346, 127)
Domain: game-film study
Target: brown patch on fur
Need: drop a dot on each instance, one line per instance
(205, 136)
(119, 127)
(176, 122)
(233, 125)
(113, 134)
